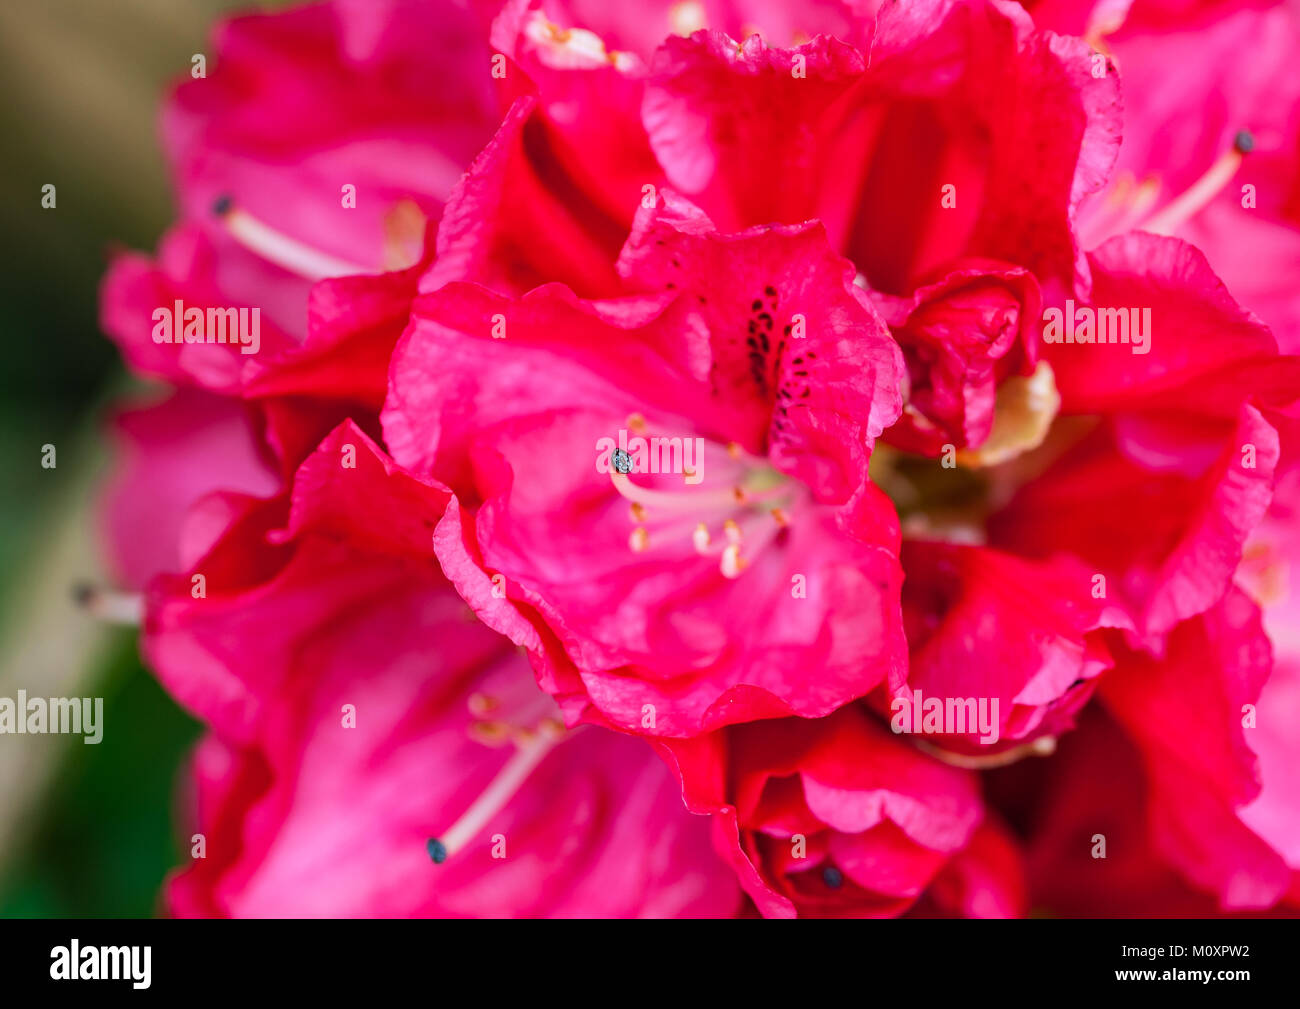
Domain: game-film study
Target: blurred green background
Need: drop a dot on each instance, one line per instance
(84, 830)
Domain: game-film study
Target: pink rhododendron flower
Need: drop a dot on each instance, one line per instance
(1183, 424)
(1209, 155)
(316, 152)
(637, 564)
(889, 484)
(344, 753)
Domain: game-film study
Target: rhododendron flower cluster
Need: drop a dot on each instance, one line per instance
(715, 459)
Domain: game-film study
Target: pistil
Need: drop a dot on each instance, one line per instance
(125, 608)
(278, 248)
(532, 747)
(1178, 211)
(731, 523)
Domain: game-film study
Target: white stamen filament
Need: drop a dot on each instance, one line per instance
(749, 508)
(125, 608)
(1122, 209)
(752, 533)
(532, 751)
(1107, 18)
(675, 501)
(277, 247)
(1146, 195)
(1201, 192)
(1043, 746)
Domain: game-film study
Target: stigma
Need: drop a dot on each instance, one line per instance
(531, 746)
(1131, 205)
(276, 247)
(729, 504)
(126, 608)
